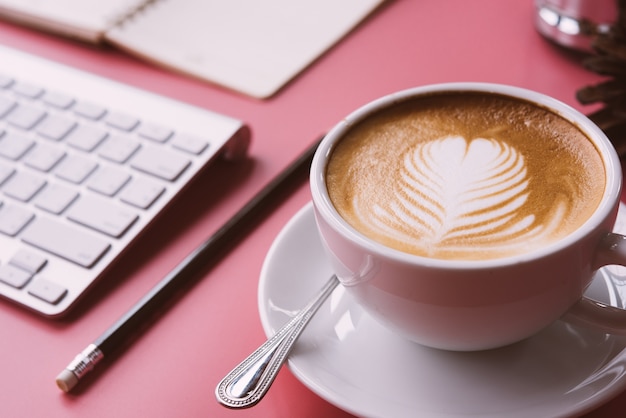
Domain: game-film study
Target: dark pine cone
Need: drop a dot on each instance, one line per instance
(609, 60)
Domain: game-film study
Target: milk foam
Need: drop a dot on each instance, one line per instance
(465, 176)
(454, 191)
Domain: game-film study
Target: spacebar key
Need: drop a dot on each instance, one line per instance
(65, 241)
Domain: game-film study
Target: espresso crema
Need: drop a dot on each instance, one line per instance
(465, 176)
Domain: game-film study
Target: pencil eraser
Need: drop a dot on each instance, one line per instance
(66, 380)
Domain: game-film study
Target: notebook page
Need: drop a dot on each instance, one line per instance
(86, 20)
(251, 46)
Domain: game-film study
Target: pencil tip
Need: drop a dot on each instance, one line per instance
(66, 380)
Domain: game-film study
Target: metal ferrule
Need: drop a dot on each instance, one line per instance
(85, 361)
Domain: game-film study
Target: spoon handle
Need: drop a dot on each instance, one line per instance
(247, 383)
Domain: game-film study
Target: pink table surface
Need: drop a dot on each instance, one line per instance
(171, 371)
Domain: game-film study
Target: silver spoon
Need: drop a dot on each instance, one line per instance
(247, 383)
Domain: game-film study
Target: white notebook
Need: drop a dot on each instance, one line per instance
(251, 46)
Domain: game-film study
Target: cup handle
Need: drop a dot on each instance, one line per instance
(612, 250)
(590, 313)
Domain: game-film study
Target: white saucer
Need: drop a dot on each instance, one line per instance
(356, 364)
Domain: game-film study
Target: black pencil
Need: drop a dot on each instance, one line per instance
(139, 316)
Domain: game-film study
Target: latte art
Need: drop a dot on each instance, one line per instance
(453, 191)
(465, 176)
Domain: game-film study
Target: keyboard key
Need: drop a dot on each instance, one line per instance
(55, 198)
(107, 180)
(58, 100)
(89, 110)
(43, 157)
(155, 132)
(159, 163)
(75, 168)
(47, 291)
(65, 241)
(5, 172)
(13, 146)
(102, 215)
(118, 148)
(55, 127)
(14, 276)
(28, 261)
(141, 193)
(6, 104)
(25, 117)
(191, 144)
(23, 186)
(13, 219)
(121, 121)
(5, 81)
(27, 90)
(86, 137)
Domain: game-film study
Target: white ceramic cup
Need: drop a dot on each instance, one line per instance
(482, 304)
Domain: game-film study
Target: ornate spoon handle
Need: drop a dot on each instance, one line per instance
(247, 383)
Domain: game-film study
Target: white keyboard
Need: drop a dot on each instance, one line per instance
(85, 165)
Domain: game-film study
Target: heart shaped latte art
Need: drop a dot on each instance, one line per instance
(460, 196)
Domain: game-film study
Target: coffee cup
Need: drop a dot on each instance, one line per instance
(469, 216)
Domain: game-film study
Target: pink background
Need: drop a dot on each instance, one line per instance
(172, 370)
